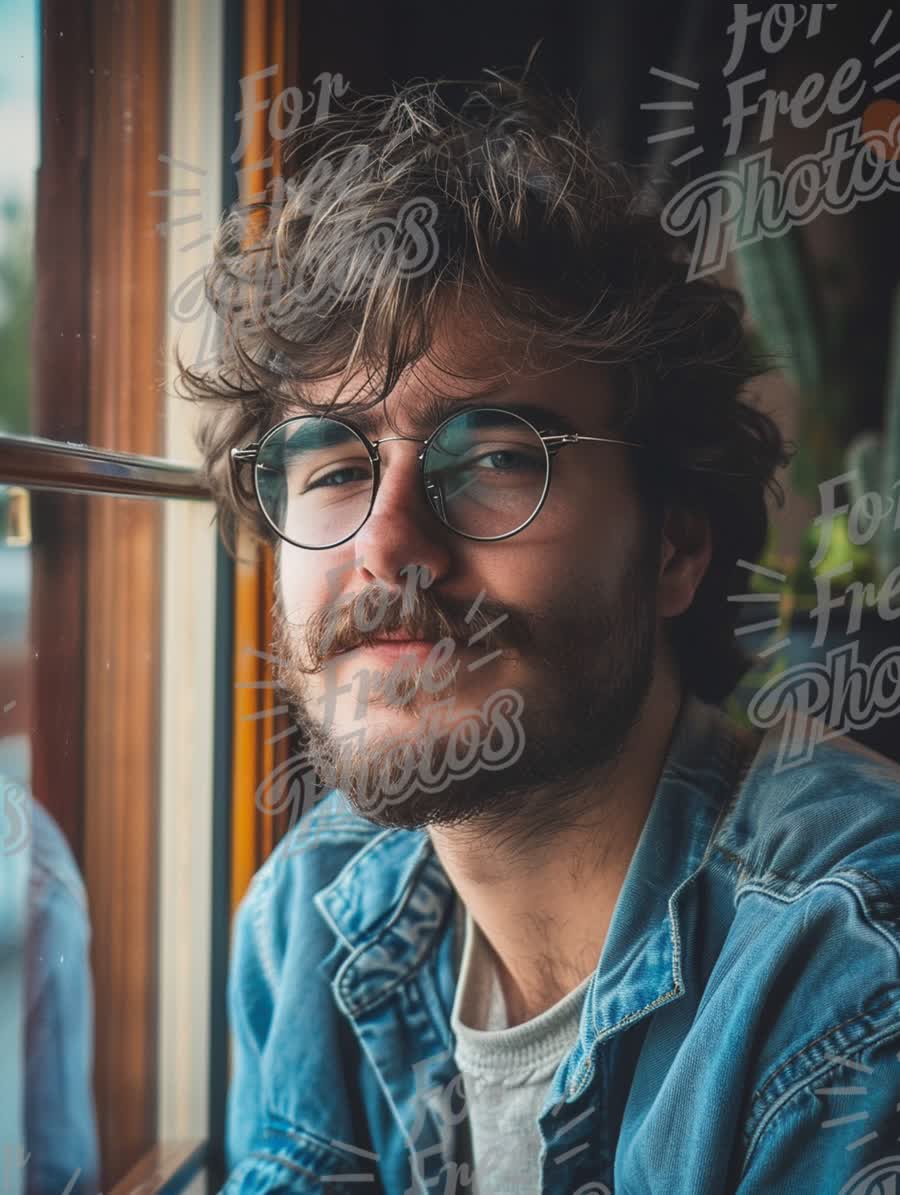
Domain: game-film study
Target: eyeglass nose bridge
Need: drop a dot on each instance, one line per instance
(433, 490)
(376, 455)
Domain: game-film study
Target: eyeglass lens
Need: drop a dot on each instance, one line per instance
(485, 474)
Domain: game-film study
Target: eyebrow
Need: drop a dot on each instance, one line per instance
(437, 407)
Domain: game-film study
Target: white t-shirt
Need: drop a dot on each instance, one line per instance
(506, 1071)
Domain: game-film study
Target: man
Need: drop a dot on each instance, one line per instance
(559, 925)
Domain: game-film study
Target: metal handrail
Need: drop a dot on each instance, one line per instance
(62, 465)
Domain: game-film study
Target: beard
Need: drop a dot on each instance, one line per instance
(530, 755)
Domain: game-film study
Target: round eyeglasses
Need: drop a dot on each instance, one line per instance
(485, 474)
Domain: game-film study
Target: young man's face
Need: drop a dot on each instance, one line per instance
(440, 734)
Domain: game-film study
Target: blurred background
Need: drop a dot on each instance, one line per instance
(137, 718)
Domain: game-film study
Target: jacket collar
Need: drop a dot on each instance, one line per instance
(640, 966)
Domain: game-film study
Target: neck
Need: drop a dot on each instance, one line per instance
(544, 905)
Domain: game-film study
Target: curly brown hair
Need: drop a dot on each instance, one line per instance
(561, 249)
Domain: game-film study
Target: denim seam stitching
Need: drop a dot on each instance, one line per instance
(603, 1034)
(333, 894)
(279, 1160)
(839, 880)
(330, 1152)
(588, 1065)
(375, 1068)
(308, 1137)
(886, 894)
(754, 876)
(730, 763)
(821, 1037)
(328, 837)
(387, 989)
(802, 1084)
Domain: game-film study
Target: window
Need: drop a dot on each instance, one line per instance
(112, 593)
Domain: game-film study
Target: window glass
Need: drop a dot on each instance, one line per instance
(106, 649)
(19, 109)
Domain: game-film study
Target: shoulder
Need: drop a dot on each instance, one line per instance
(307, 859)
(312, 853)
(811, 960)
(797, 975)
(812, 859)
(834, 814)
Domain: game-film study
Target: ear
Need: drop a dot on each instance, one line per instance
(684, 558)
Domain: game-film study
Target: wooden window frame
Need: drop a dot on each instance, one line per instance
(98, 325)
(98, 322)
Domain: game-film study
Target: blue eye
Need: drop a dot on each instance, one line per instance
(333, 478)
(518, 460)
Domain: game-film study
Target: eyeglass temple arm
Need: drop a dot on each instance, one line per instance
(556, 441)
(575, 437)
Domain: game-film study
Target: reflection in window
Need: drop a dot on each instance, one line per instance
(105, 832)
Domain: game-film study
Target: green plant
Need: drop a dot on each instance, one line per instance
(809, 342)
(806, 341)
(841, 551)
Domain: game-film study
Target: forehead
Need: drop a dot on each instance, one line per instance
(464, 368)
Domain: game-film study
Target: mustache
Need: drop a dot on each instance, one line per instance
(374, 612)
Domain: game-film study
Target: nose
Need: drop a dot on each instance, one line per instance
(401, 530)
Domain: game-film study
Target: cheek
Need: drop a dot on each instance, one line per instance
(592, 509)
(308, 581)
(583, 561)
(294, 591)
(541, 579)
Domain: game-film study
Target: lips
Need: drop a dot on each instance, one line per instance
(390, 648)
(395, 639)
(400, 637)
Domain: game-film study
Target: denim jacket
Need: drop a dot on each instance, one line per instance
(741, 1032)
